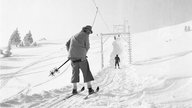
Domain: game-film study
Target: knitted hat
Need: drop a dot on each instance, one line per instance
(88, 27)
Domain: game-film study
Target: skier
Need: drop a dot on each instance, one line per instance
(77, 47)
(114, 37)
(117, 60)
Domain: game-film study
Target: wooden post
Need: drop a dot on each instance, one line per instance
(102, 60)
(130, 48)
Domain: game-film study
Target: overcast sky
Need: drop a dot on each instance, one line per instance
(150, 14)
(63, 18)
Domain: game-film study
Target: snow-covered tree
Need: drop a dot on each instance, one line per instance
(187, 28)
(34, 44)
(15, 38)
(21, 44)
(28, 40)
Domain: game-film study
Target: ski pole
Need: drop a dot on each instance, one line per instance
(63, 63)
(57, 69)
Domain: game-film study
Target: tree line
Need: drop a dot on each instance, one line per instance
(15, 39)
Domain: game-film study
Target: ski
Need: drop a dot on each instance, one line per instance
(87, 96)
(67, 97)
(71, 95)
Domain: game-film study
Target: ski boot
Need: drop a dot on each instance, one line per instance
(74, 91)
(91, 91)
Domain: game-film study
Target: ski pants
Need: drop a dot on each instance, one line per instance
(84, 66)
(116, 64)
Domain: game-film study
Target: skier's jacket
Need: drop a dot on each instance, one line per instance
(78, 46)
(117, 59)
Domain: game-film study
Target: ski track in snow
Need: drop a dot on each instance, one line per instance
(6, 77)
(118, 89)
(162, 58)
(107, 80)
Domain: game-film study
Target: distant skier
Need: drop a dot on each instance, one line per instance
(77, 47)
(115, 38)
(117, 60)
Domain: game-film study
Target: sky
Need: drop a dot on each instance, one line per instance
(60, 19)
(145, 15)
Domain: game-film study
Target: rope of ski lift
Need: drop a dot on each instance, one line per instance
(95, 17)
(98, 11)
(101, 18)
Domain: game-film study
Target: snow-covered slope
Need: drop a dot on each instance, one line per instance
(160, 75)
(29, 68)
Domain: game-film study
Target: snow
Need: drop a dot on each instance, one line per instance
(160, 75)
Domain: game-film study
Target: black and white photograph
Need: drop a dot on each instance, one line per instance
(95, 53)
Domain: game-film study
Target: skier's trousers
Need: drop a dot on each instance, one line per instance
(78, 65)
